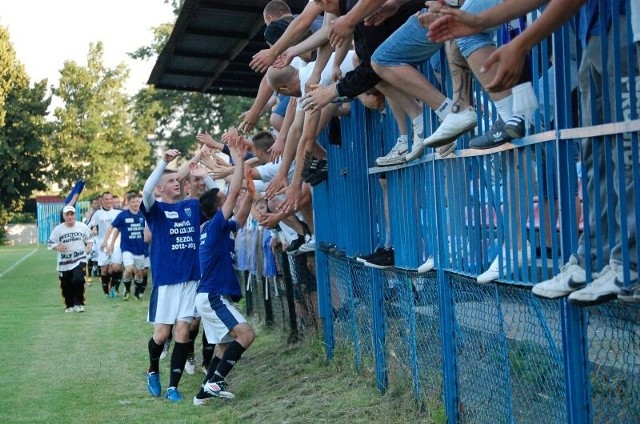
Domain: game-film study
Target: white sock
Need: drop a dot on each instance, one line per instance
(418, 124)
(444, 108)
(404, 138)
(505, 107)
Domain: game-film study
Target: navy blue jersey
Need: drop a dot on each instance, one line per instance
(131, 227)
(217, 257)
(175, 233)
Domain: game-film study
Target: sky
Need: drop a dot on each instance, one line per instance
(46, 33)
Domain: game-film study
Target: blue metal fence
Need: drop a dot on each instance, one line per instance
(49, 217)
(495, 353)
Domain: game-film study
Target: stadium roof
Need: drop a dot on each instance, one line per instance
(211, 46)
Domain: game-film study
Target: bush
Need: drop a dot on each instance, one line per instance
(23, 218)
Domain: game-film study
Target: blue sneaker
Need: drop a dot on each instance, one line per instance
(153, 384)
(173, 395)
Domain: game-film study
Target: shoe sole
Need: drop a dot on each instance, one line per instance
(447, 151)
(597, 301)
(396, 161)
(513, 133)
(442, 142)
(370, 265)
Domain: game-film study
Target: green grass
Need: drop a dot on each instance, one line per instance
(90, 368)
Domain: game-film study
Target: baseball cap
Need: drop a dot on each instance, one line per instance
(68, 208)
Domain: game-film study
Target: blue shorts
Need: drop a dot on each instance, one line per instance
(408, 45)
(470, 44)
(283, 102)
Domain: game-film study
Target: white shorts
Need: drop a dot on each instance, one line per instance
(114, 258)
(147, 262)
(129, 259)
(219, 317)
(175, 302)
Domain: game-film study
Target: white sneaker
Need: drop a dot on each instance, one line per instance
(605, 287)
(190, 365)
(427, 266)
(396, 156)
(493, 273)
(309, 246)
(79, 308)
(452, 126)
(165, 349)
(69, 310)
(572, 277)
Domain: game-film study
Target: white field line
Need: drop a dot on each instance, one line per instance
(18, 263)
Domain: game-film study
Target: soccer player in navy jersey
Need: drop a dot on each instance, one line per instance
(129, 225)
(219, 287)
(175, 266)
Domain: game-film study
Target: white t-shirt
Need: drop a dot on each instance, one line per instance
(325, 76)
(75, 239)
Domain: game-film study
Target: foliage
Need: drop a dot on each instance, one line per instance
(95, 136)
(23, 132)
(23, 218)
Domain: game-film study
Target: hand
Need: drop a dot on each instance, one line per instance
(262, 60)
(283, 60)
(249, 119)
(276, 150)
(373, 101)
(103, 246)
(197, 171)
(251, 187)
(268, 220)
(453, 23)
(206, 140)
(381, 15)
(336, 73)
(340, 31)
(61, 248)
(277, 183)
(510, 61)
(318, 97)
(292, 195)
(313, 80)
(222, 172)
(170, 155)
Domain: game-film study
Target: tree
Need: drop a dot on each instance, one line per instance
(23, 132)
(96, 136)
(179, 116)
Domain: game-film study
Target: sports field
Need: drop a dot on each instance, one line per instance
(89, 367)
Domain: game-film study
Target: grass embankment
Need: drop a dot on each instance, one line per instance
(90, 367)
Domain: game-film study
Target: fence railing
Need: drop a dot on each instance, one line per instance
(495, 353)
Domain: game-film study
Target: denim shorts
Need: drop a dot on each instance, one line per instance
(408, 45)
(470, 44)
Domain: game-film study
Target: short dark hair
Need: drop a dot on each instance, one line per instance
(209, 202)
(277, 8)
(263, 140)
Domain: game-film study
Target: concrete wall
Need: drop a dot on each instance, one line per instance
(20, 234)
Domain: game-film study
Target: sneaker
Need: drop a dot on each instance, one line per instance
(515, 126)
(153, 384)
(190, 365)
(496, 136)
(571, 278)
(197, 401)
(383, 261)
(605, 287)
(173, 395)
(309, 246)
(69, 310)
(309, 167)
(125, 296)
(79, 308)
(396, 156)
(452, 127)
(447, 149)
(218, 389)
(427, 266)
(165, 350)
(364, 258)
(493, 273)
(326, 246)
(630, 293)
(113, 293)
(295, 244)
